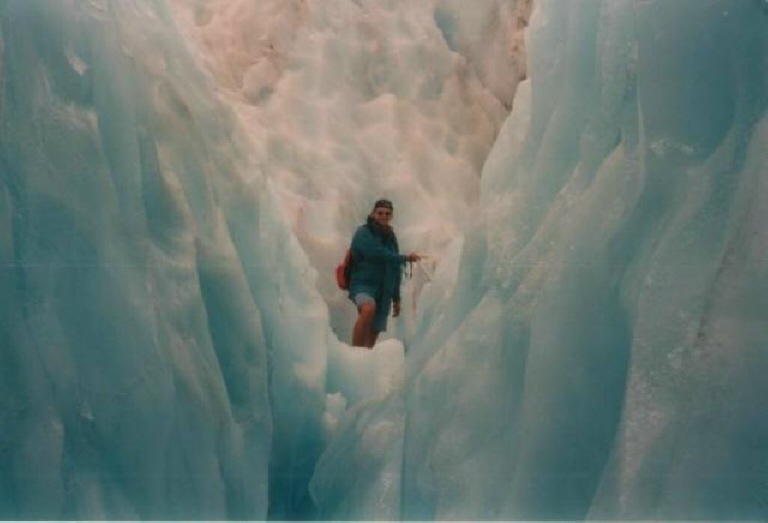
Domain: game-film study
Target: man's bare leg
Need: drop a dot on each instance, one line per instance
(364, 325)
(370, 338)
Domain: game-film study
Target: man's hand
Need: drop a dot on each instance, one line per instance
(395, 309)
(413, 257)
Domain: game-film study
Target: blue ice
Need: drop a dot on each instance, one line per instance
(586, 341)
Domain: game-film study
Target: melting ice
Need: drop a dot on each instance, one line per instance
(178, 179)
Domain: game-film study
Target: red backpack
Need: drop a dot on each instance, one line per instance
(343, 271)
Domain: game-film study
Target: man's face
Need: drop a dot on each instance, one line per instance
(382, 215)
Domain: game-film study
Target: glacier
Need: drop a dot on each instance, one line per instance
(587, 339)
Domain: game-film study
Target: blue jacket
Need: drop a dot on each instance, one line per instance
(377, 264)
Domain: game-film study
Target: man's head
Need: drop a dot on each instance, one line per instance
(382, 212)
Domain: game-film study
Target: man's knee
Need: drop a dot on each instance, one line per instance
(367, 310)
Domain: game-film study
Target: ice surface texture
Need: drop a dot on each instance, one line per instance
(134, 361)
(178, 178)
(602, 350)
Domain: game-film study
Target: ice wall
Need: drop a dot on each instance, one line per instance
(596, 348)
(134, 357)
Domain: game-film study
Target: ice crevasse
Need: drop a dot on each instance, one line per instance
(178, 179)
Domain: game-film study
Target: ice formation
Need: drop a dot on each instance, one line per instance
(178, 179)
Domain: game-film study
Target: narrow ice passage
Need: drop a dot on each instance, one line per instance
(178, 179)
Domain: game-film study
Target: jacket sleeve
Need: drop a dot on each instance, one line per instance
(364, 243)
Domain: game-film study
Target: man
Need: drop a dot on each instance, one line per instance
(377, 267)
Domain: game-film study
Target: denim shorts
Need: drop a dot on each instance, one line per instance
(382, 312)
